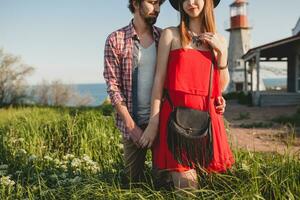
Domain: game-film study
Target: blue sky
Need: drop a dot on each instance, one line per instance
(64, 39)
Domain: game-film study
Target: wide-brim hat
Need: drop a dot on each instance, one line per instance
(175, 3)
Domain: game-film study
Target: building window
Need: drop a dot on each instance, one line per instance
(239, 87)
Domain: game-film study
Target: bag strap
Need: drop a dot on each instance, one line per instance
(210, 78)
(167, 95)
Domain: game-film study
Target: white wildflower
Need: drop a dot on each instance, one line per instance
(19, 172)
(95, 169)
(76, 163)
(77, 171)
(86, 158)
(63, 182)
(3, 172)
(121, 146)
(68, 157)
(148, 163)
(57, 162)
(48, 158)
(21, 152)
(2, 167)
(76, 179)
(5, 180)
(110, 161)
(21, 140)
(32, 158)
(245, 167)
(64, 167)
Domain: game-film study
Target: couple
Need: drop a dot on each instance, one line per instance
(140, 61)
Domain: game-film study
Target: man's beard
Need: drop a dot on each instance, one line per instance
(150, 19)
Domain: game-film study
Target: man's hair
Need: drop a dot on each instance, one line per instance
(130, 4)
(131, 7)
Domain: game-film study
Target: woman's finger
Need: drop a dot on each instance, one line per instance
(150, 144)
(141, 141)
(208, 33)
(146, 143)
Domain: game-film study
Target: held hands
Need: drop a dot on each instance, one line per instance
(220, 105)
(135, 133)
(148, 136)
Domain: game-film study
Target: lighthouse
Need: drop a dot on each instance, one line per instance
(239, 44)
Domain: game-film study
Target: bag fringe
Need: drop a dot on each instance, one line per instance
(188, 151)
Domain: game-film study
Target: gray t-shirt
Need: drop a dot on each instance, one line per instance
(146, 71)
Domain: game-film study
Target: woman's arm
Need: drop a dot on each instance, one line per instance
(157, 88)
(219, 44)
(222, 64)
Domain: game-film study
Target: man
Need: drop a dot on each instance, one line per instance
(129, 67)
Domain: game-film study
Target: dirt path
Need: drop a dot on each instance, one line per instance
(267, 136)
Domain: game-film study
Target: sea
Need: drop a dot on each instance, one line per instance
(96, 91)
(99, 94)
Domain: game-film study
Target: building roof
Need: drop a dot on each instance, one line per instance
(296, 30)
(279, 49)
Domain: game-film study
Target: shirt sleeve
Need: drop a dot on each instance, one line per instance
(112, 71)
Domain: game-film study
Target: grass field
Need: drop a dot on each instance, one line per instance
(76, 153)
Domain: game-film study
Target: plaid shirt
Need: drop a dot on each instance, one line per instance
(120, 58)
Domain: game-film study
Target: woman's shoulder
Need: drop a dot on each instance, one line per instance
(173, 30)
(172, 35)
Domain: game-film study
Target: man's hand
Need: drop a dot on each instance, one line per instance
(135, 133)
(148, 136)
(220, 105)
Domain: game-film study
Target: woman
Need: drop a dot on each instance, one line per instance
(183, 68)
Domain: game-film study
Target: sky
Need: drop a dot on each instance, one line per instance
(64, 39)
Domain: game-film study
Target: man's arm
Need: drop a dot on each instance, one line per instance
(112, 75)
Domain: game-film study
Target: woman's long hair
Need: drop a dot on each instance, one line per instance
(207, 21)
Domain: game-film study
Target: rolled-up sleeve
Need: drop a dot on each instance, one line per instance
(112, 71)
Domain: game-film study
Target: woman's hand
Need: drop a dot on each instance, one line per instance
(220, 105)
(216, 41)
(148, 136)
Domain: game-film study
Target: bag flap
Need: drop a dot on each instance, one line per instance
(192, 119)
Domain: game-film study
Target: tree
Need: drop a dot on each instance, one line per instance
(13, 74)
(58, 94)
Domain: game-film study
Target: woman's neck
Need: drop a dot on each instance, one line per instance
(195, 26)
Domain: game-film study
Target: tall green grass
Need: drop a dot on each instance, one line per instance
(68, 153)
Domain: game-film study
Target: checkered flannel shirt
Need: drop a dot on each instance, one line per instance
(120, 57)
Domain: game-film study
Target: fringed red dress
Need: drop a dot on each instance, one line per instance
(187, 81)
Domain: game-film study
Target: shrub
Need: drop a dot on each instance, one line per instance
(13, 74)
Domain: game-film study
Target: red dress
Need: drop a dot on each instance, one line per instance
(187, 80)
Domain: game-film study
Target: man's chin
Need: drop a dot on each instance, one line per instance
(151, 21)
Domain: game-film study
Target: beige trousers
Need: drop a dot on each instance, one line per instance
(134, 159)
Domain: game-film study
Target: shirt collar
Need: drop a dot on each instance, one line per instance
(132, 33)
